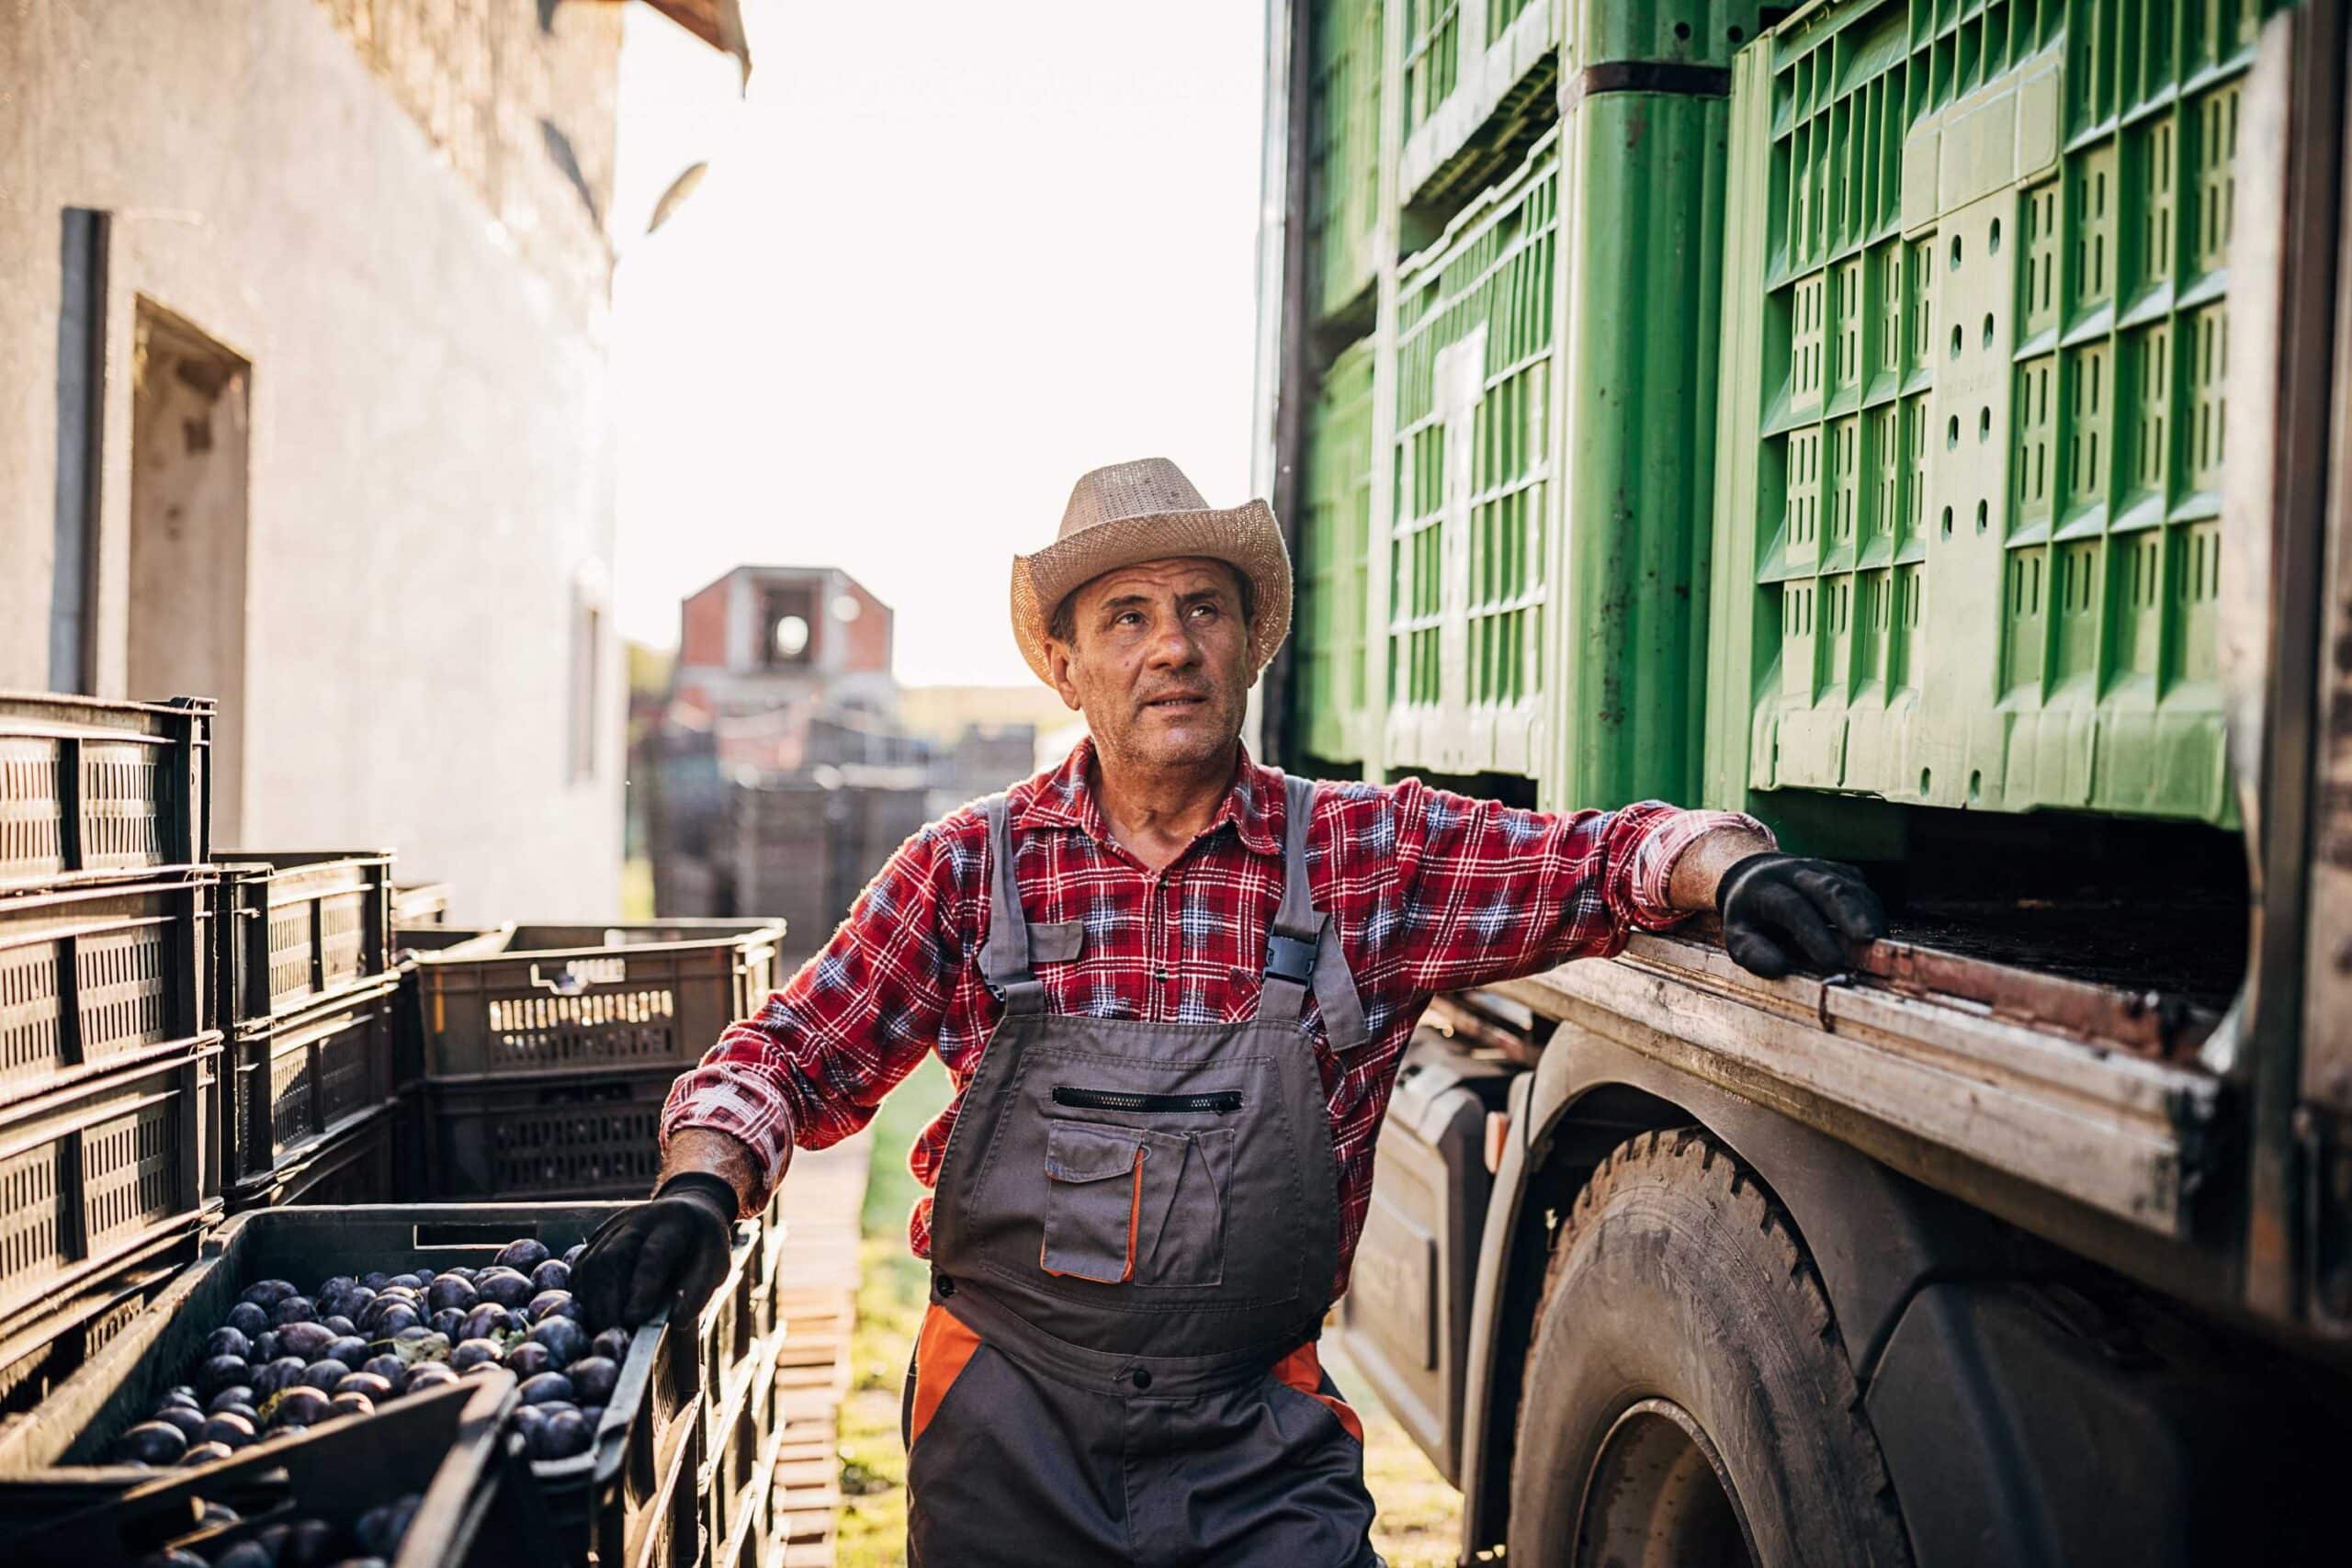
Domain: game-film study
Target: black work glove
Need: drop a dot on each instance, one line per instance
(669, 1250)
(1783, 910)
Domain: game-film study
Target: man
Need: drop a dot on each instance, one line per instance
(1170, 988)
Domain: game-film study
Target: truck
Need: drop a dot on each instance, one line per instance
(1926, 426)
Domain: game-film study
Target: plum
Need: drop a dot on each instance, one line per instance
(426, 1374)
(312, 1544)
(222, 1371)
(352, 1404)
(266, 1349)
(279, 1375)
(448, 1291)
(294, 1309)
(504, 1286)
(356, 1299)
(554, 1303)
(530, 1418)
(267, 1293)
(555, 1274)
(368, 1384)
(341, 1327)
(248, 1318)
(566, 1340)
(572, 1253)
(521, 1255)
(189, 1423)
(593, 1415)
(337, 1285)
(155, 1442)
(239, 1394)
(375, 1280)
(390, 1318)
(473, 1352)
(246, 1554)
(232, 1431)
(527, 1361)
(478, 1368)
(415, 1279)
(612, 1344)
(451, 1322)
(308, 1340)
(325, 1375)
(228, 1341)
(205, 1453)
(594, 1377)
(248, 1410)
(566, 1433)
(486, 1320)
(302, 1403)
(180, 1393)
(172, 1557)
(380, 1529)
(388, 1368)
(547, 1388)
(350, 1351)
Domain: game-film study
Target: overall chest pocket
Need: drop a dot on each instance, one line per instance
(1128, 1206)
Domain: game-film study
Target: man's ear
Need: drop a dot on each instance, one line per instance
(1057, 660)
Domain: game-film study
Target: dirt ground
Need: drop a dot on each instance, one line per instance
(1419, 1515)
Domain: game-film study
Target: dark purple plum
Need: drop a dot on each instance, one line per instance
(190, 1422)
(572, 1253)
(388, 1368)
(504, 1286)
(234, 1431)
(547, 1388)
(350, 1351)
(554, 1303)
(228, 1341)
(252, 1416)
(280, 1375)
(521, 1255)
(325, 1375)
(426, 1374)
(612, 1344)
(356, 1300)
(240, 1394)
(337, 1285)
(248, 1318)
(451, 1322)
(555, 1274)
(206, 1453)
(267, 1293)
(312, 1544)
(593, 1415)
(341, 1327)
(448, 1291)
(368, 1384)
(180, 1393)
(478, 1368)
(304, 1403)
(294, 1309)
(155, 1442)
(352, 1404)
(380, 1529)
(529, 1360)
(473, 1353)
(415, 1279)
(566, 1340)
(390, 1318)
(375, 1279)
(594, 1377)
(266, 1349)
(246, 1554)
(486, 1320)
(308, 1340)
(566, 1433)
(222, 1371)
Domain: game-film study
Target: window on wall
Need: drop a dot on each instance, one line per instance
(587, 693)
(791, 622)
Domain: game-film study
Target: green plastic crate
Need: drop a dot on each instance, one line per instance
(1977, 308)
(1478, 78)
(1343, 174)
(1473, 465)
(1335, 542)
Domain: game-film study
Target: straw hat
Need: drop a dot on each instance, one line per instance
(1148, 511)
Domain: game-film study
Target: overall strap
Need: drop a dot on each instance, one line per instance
(1303, 950)
(1004, 956)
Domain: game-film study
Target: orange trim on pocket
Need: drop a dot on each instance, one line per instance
(1134, 1222)
(1303, 1369)
(943, 1346)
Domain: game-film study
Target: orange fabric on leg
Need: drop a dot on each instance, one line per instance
(942, 1348)
(1303, 1369)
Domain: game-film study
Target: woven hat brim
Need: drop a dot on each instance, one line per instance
(1247, 538)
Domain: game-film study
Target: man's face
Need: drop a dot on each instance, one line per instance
(1158, 662)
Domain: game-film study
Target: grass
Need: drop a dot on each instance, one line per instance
(1419, 1520)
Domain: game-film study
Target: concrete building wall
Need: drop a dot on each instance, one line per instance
(408, 256)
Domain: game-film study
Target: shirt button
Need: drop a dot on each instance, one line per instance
(1160, 974)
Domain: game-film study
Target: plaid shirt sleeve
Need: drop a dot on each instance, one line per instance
(811, 1065)
(1492, 892)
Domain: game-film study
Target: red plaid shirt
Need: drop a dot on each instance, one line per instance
(1430, 892)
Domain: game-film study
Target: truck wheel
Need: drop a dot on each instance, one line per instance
(1688, 1401)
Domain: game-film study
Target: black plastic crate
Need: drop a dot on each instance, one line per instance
(589, 999)
(50, 1341)
(358, 1165)
(623, 1500)
(301, 928)
(92, 789)
(454, 1447)
(93, 1173)
(559, 1137)
(742, 1421)
(97, 978)
(300, 1079)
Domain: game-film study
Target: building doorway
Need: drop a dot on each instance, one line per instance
(190, 424)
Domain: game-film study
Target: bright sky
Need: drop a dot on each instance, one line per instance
(948, 256)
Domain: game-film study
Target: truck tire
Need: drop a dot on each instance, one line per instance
(1688, 1400)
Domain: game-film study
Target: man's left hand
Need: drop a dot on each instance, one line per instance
(1781, 911)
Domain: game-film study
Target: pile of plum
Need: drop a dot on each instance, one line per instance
(373, 1539)
(285, 1362)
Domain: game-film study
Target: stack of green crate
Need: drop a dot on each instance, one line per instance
(1343, 173)
(1967, 532)
(1335, 540)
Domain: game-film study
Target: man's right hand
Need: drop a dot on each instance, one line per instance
(670, 1251)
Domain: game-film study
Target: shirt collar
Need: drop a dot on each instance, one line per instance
(1065, 798)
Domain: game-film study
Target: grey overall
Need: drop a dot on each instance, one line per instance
(1136, 1223)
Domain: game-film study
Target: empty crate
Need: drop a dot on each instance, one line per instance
(92, 789)
(561, 1137)
(300, 1080)
(302, 928)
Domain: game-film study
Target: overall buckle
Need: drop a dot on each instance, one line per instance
(1287, 958)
